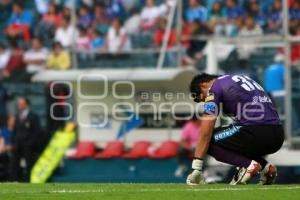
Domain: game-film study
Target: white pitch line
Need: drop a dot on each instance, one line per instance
(176, 190)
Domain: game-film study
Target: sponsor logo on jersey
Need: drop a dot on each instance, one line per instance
(226, 133)
(261, 99)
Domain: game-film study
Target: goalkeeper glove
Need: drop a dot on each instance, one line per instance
(196, 177)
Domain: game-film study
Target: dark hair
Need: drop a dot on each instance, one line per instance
(55, 7)
(235, 1)
(99, 33)
(121, 22)
(84, 7)
(100, 4)
(13, 44)
(82, 28)
(197, 80)
(19, 4)
(25, 99)
(67, 19)
(56, 43)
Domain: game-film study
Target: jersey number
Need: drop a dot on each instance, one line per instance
(247, 83)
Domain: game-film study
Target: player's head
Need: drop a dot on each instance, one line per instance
(200, 85)
(17, 7)
(23, 103)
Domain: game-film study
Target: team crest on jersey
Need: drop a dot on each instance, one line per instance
(210, 107)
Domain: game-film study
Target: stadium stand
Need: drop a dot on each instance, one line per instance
(166, 150)
(233, 10)
(113, 149)
(84, 150)
(138, 150)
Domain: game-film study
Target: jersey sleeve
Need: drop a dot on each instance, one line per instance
(213, 100)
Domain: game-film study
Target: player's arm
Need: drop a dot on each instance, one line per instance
(207, 128)
(211, 112)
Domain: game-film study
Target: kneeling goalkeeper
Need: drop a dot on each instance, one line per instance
(255, 133)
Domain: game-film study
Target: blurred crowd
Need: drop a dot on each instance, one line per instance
(41, 36)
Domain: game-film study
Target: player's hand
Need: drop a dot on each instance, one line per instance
(196, 177)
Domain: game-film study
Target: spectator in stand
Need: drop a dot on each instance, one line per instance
(159, 34)
(116, 9)
(4, 56)
(85, 17)
(25, 140)
(83, 40)
(5, 10)
(5, 133)
(274, 85)
(59, 59)
(149, 15)
(66, 33)
(186, 32)
(196, 12)
(254, 10)
(88, 3)
(15, 67)
(159, 38)
(4, 97)
(36, 57)
(274, 16)
(274, 81)
(48, 24)
(97, 40)
(239, 24)
(19, 23)
(117, 40)
(83, 43)
(265, 5)
(250, 29)
(189, 137)
(102, 19)
(233, 11)
(67, 11)
(194, 51)
(165, 7)
(52, 17)
(131, 5)
(297, 31)
(132, 25)
(42, 6)
(294, 14)
(216, 16)
(5, 148)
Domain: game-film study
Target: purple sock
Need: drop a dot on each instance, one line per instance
(228, 156)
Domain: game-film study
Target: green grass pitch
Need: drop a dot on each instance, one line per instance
(14, 191)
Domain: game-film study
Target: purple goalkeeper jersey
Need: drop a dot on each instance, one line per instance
(241, 98)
